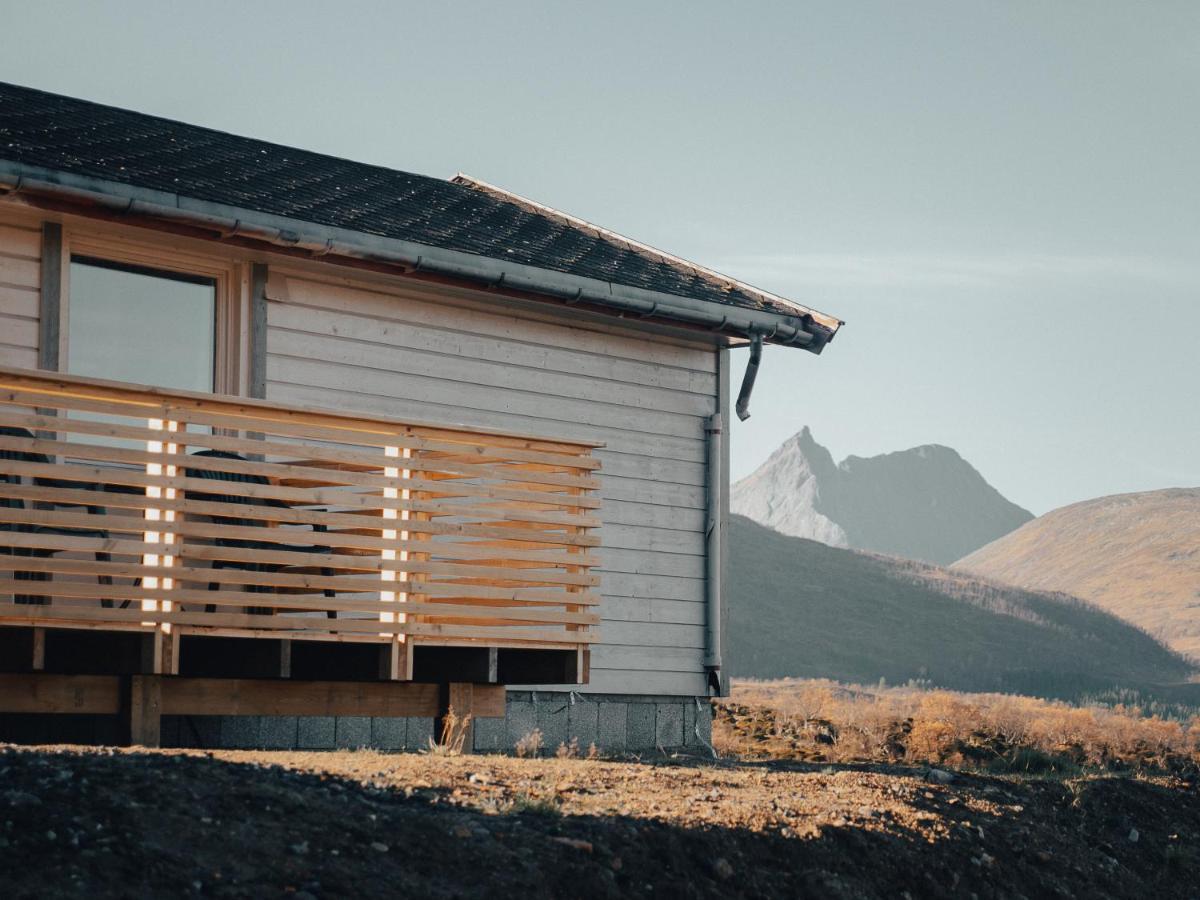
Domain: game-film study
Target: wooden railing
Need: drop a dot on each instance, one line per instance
(132, 508)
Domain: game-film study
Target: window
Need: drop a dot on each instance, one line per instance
(140, 325)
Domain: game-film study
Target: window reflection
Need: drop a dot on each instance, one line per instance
(142, 326)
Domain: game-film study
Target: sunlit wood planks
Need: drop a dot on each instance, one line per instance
(131, 508)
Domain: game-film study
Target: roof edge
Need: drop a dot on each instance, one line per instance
(830, 322)
(230, 221)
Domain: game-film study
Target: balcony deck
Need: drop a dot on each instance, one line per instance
(178, 516)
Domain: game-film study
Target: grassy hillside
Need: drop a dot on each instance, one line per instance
(803, 609)
(1136, 555)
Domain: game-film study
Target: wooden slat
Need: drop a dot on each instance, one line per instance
(225, 596)
(348, 539)
(512, 473)
(288, 450)
(124, 500)
(529, 572)
(112, 475)
(147, 396)
(273, 625)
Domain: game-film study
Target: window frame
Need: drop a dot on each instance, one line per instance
(227, 277)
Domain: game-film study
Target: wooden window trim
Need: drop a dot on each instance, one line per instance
(231, 278)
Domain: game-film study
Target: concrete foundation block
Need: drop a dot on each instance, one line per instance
(490, 735)
(612, 727)
(668, 725)
(168, 731)
(518, 723)
(241, 732)
(315, 733)
(704, 724)
(552, 720)
(641, 727)
(616, 723)
(583, 723)
(279, 732)
(352, 732)
(200, 731)
(419, 733)
(389, 733)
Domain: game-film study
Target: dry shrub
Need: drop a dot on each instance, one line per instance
(569, 750)
(530, 745)
(453, 737)
(823, 720)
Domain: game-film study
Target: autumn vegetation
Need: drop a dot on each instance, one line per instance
(824, 721)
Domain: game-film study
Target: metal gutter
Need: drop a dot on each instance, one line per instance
(231, 221)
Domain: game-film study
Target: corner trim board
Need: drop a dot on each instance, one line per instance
(50, 297)
(258, 331)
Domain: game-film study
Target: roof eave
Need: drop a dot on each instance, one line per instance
(232, 221)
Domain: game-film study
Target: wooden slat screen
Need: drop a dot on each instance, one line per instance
(126, 507)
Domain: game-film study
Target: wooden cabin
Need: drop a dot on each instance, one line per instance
(302, 452)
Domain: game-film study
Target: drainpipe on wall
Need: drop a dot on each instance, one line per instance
(712, 637)
(743, 400)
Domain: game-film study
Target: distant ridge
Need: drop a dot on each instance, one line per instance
(925, 503)
(801, 608)
(1136, 555)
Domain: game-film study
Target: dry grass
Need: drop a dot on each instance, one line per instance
(826, 721)
(453, 737)
(530, 745)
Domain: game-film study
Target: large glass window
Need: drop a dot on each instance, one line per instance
(144, 326)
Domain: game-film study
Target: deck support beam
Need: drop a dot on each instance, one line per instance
(141, 700)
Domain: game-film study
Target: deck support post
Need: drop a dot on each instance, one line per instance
(141, 710)
(160, 652)
(395, 661)
(38, 661)
(458, 696)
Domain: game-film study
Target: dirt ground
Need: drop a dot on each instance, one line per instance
(105, 823)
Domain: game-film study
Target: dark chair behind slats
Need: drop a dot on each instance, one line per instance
(21, 528)
(248, 521)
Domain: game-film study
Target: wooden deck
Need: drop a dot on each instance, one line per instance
(173, 515)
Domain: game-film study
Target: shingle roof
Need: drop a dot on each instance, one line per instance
(83, 138)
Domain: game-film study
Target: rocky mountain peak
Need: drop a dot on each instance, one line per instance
(925, 503)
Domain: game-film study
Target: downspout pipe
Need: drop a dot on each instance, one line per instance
(713, 538)
(743, 400)
(229, 221)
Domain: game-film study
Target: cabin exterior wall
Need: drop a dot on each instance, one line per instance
(442, 355)
(20, 292)
(403, 348)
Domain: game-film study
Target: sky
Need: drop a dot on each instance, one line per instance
(1002, 200)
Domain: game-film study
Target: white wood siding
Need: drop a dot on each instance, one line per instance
(429, 355)
(20, 277)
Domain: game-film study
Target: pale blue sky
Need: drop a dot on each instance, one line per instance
(1001, 199)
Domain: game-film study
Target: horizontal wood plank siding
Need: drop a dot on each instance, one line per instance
(416, 354)
(20, 277)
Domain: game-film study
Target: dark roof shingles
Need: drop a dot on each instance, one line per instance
(80, 137)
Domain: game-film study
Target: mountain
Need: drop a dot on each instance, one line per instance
(925, 503)
(1136, 555)
(801, 608)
